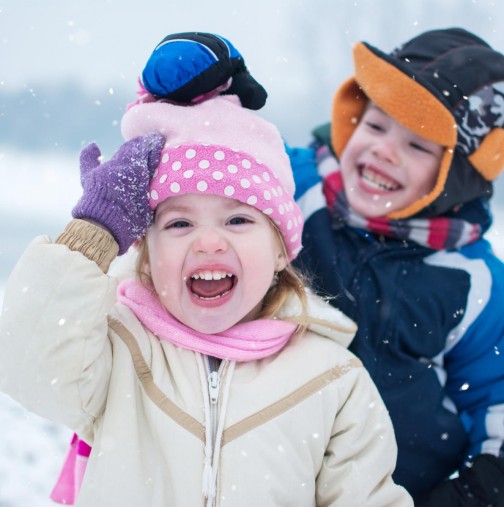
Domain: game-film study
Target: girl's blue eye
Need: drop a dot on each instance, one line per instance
(238, 221)
(178, 224)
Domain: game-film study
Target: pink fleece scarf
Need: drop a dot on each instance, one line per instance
(246, 341)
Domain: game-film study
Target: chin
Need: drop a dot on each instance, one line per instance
(211, 327)
(369, 211)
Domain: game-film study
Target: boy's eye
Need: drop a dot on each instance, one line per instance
(375, 126)
(419, 147)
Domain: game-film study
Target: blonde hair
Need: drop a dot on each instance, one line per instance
(290, 281)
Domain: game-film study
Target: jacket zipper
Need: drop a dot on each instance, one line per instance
(214, 380)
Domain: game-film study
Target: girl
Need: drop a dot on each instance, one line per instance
(212, 376)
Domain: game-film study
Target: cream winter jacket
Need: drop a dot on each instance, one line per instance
(305, 427)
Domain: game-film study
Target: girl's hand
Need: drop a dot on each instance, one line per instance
(116, 192)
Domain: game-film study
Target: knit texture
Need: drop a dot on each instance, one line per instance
(116, 192)
(217, 147)
(247, 341)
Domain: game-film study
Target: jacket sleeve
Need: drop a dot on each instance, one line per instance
(475, 382)
(475, 364)
(361, 455)
(55, 355)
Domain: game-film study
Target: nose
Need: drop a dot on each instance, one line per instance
(387, 149)
(210, 241)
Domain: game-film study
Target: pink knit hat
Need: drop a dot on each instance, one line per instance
(218, 147)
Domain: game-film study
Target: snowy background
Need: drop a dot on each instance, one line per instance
(67, 68)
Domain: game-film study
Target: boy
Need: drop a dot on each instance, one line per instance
(395, 195)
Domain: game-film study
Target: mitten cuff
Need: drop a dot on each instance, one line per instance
(91, 240)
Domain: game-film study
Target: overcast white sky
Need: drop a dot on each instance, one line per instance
(299, 49)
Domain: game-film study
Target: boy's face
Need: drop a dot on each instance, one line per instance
(386, 167)
(212, 260)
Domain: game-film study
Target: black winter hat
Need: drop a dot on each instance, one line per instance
(448, 87)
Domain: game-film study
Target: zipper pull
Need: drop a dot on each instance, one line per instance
(213, 386)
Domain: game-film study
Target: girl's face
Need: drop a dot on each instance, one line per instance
(386, 167)
(212, 259)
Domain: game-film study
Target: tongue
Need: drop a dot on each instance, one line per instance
(211, 288)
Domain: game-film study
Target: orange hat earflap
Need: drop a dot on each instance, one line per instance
(348, 106)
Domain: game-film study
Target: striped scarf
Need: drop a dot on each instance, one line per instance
(438, 233)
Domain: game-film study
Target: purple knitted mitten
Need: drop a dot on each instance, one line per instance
(116, 192)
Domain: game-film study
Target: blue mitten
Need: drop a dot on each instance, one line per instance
(186, 66)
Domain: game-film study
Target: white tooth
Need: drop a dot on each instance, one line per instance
(211, 275)
(378, 181)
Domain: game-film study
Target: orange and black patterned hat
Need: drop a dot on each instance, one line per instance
(448, 87)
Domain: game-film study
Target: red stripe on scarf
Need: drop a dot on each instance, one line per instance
(333, 184)
(380, 226)
(438, 233)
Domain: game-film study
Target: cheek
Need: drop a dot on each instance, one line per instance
(431, 173)
(274, 261)
(164, 262)
(164, 266)
(345, 157)
(348, 158)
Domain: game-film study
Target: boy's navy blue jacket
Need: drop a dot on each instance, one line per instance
(431, 332)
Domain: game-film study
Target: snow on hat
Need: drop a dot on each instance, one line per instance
(446, 86)
(218, 147)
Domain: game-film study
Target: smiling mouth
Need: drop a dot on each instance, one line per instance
(377, 180)
(210, 285)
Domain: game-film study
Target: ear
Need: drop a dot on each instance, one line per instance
(281, 262)
(146, 267)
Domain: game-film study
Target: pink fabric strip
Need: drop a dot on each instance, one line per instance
(246, 341)
(70, 479)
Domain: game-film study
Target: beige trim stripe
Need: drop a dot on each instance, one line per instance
(245, 425)
(153, 391)
(286, 403)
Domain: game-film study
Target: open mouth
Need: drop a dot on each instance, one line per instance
(378, 180)
(209, 285)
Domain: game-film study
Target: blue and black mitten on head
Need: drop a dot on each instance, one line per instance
(186, 66)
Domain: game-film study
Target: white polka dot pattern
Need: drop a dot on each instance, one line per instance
(218, 170)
